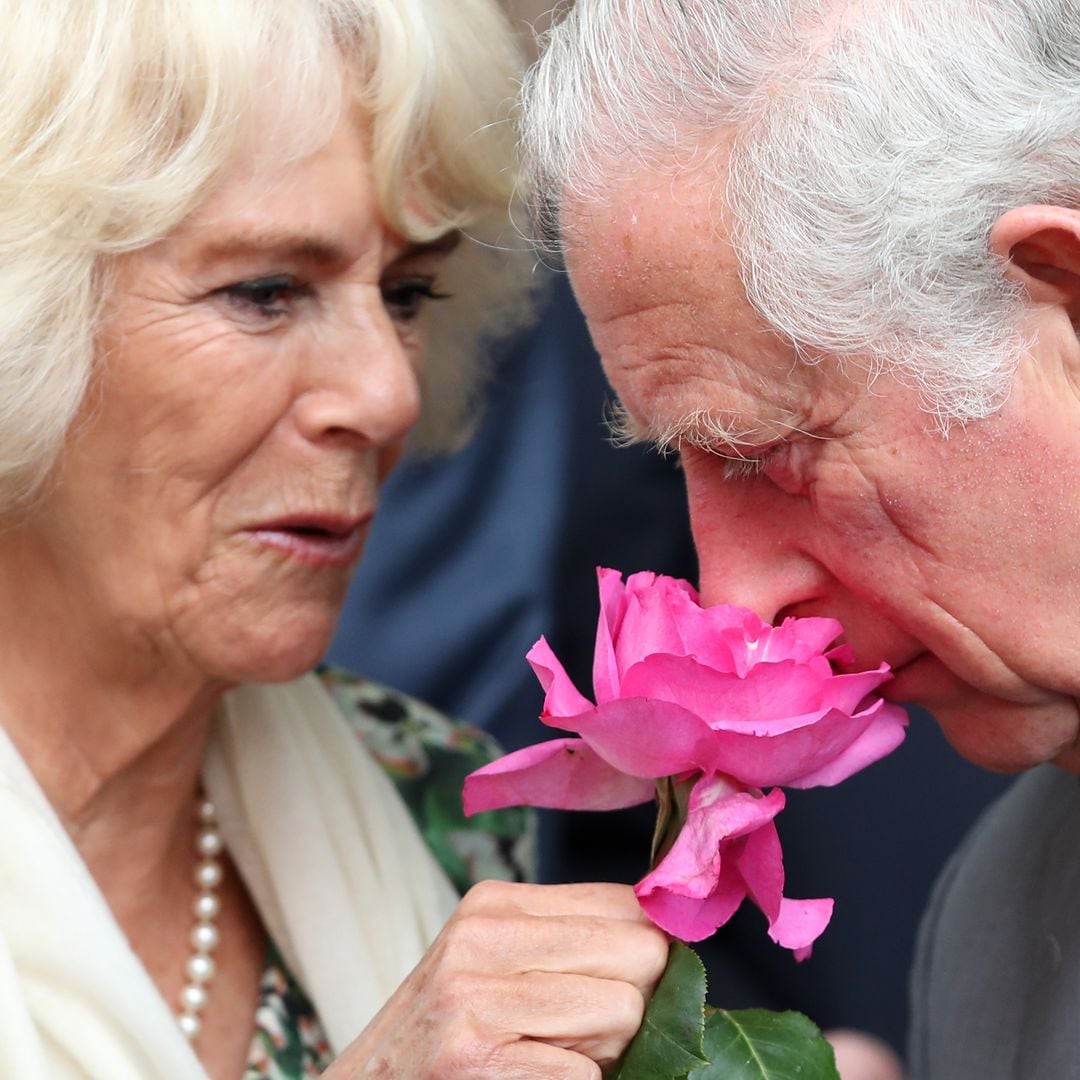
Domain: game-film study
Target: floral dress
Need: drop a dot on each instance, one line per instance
(428, 757)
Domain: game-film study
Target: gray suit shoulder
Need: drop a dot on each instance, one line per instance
(996, 983)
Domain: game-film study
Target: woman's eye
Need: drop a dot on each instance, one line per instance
(268, 298)
(405, 297)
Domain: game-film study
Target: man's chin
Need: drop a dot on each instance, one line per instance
(981, 741)
(994, 733)
(1007, 736)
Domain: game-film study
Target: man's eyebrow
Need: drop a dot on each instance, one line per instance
(701, 428)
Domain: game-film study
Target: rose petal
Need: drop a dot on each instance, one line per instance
(779, 760)
(762, 703)
(800, 924)
(716, 636)
(612, 607)
(563, 774)
(643, 582)
(842, 654)
(561, 696)
(846, 692)
(691, 918)
(761, 864)
(716, 814)
(798, 639)
(646, 738)
(882, 736)
(648, 627)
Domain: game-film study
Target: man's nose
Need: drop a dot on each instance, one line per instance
(361, 384)
(750, 540)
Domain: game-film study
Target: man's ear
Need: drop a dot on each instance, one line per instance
(1041, 247)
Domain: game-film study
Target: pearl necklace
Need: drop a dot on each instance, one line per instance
(200, 966)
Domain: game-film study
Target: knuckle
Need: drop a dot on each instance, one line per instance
(655, 949)
(608, 898)
(457, 995)
(463, 937)
(459, 1053)
(584, 1069)
(627, 1007)
(642, 952)
(463, 1052)
(479, 942)
(487, 894)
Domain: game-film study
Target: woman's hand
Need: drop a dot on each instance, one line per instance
(525, 981)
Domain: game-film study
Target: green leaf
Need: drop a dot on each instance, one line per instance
(669, 1042)
(755, 1044)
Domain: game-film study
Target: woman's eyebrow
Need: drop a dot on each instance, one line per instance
(278, 243)
(291, 245)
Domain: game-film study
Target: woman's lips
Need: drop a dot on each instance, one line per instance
(316, 539)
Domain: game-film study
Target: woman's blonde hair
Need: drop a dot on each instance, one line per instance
(117, 117)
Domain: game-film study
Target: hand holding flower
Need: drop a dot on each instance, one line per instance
(524, 981)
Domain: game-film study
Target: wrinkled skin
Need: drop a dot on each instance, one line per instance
(524, 982)
(950, 558)
(260, 365)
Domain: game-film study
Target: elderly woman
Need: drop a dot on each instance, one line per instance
(831, 254)
(221, 225)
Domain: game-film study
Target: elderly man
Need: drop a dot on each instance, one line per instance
(830, 254)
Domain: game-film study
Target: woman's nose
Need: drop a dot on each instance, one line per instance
(748, 538)
(361, 386)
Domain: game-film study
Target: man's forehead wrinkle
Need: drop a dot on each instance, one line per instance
(677, 372)
(647, 308)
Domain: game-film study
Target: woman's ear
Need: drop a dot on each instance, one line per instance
(1041, 248)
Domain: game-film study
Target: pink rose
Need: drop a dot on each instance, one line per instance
(707, 706)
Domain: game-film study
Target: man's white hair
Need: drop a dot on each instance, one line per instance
(873, 146)
(117, 117)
